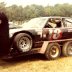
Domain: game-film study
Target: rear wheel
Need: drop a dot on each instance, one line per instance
(23, 42)
(67, 49)
(53, 51)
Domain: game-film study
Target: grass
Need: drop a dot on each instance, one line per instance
(36, 63)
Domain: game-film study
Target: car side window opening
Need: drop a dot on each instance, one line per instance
(53, 23)
(67, 22)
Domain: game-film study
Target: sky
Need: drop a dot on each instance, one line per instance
(38, 2)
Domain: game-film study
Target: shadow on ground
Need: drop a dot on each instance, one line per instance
(24, 59)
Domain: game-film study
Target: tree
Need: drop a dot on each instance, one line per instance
(18, 13)
(2, 7)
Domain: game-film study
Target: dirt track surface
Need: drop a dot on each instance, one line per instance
(36, 63)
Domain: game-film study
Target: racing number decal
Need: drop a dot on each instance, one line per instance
(55, 34)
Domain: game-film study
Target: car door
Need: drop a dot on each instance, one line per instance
(67, 31)
(52, 31)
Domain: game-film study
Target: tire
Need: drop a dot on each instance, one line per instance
(53, 51)
(67, 49)
(23, 42)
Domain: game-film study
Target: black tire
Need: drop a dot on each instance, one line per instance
(23, 42)
(53, 51)
(67, 49)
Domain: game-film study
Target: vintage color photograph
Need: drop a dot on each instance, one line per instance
(35, 35)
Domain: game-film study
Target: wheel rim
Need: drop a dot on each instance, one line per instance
(25, 44)
(54, 52)
(70, 49)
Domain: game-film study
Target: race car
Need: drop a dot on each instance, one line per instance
(57, 31)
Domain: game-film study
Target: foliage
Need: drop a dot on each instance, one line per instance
(19, 13)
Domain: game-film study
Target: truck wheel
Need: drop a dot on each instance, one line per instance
(23, 42)
(53, 51)
(67, 49)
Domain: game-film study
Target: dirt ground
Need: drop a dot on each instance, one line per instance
(36, 63)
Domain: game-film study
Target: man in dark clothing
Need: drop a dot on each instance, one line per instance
(4, 34)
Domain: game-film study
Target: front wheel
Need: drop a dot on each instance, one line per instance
(23, 42)
(53, 51)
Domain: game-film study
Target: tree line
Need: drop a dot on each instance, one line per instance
(19, 13)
